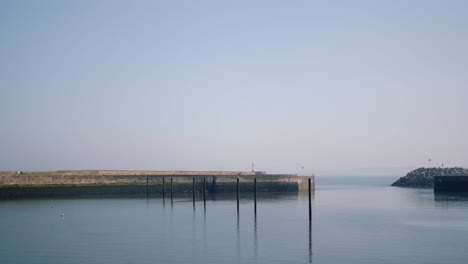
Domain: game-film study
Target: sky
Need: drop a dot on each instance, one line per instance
(323, 87)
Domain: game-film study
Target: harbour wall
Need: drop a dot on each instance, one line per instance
(450, 184)
(109, 183)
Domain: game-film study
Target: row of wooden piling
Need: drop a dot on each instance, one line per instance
(237, 190)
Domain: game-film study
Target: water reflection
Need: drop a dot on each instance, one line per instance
(255, 236)
(446, 200)
(205, 251)
(378, 224)
(238, 238)
(310, 242)
(200, 232)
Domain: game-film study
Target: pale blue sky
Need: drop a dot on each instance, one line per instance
(339, 87)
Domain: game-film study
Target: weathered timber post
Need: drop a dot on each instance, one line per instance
(147, 187)
(193, 191)
(238, 195)
(255, 196)
(204, 192)
(171, 191)
(164, 188)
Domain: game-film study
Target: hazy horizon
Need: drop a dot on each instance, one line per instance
(338, 88)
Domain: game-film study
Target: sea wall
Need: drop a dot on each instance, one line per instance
(104, 183)
(450, 184)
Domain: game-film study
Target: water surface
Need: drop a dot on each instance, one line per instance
(355, 220)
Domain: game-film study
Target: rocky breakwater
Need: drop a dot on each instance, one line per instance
(424, 177)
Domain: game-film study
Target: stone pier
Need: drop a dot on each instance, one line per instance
(112, 182)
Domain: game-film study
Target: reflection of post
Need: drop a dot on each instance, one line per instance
(310, 242)
(310, 203)
(255, 236)
(238, 237)
(204, 233)
(194, 237)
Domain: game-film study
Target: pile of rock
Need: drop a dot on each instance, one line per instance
(424, 177)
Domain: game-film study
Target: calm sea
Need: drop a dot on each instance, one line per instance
(355, 220)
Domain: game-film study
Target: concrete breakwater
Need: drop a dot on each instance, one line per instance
(450, 184)
(108, 182)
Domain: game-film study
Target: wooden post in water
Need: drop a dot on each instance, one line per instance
(164, 188)
(310, 203)
(255, 196)
(237, 195)
(171, 191)
(193, 191)
(147, 187)
(204, 192)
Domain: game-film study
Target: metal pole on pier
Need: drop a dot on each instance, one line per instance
(310, 203)
(193, 191)
(238, 195)
(255, 196)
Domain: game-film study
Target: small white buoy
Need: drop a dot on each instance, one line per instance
(62, 215)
